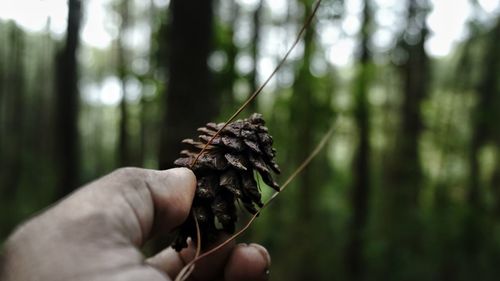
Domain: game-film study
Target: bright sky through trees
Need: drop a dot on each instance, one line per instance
(446, 21)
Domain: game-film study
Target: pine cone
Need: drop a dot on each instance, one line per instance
(225, 174)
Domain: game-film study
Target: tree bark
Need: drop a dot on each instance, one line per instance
(485, 112)
(228, 76)
(68, 103)
(303, 113)
(189, 100)
(255, 52)
(361, 179)
(415, 76)
(14, 113)
(124, 157)
(404, 174)
(485, 129)
(12, 162)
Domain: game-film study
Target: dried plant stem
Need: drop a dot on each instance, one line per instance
(187, 270)
(259, 90)
(302, 166)
(198, 235)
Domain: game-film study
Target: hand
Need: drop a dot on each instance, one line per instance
(95, 234)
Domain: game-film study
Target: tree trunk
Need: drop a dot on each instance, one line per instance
(228, 76)
(68, 103)
(304, 138)
(123, 152)
(361, 179)
(15, 123)
(189, 100)
(254, 83)
(485, 128)
(404, 175)
(485, 113)
(3, 70)
(415, 82)
(14, 113)
(303, 117)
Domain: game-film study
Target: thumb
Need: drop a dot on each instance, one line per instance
(172, 193)
(133, 202)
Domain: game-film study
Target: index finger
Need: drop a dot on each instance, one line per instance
(208, 268)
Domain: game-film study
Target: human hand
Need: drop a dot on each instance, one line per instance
(95, 234)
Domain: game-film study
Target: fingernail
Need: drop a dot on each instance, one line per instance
(264, 253)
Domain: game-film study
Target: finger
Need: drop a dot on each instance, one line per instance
(132, 273)
(211, 267)
(133, 202)
(173, 192)
(168, 261)
(207, 268)
(248, 262)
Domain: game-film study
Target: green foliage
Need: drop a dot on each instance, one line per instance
(423, 220)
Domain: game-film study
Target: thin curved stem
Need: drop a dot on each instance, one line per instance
(302, 166)
(198, 235)
(259, 90)
(187, 270)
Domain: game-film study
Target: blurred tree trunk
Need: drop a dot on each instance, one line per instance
(484, 129)
(141, 156)
(495, 183)
(404, 174)
(415, 82)
(309, 116)
(15, 123)
(3, 70)
(485, 113)
(189, 100)
(14, 113)
(361, 179)
(123, 153)
(68, 103)
(150, 102)
(302, 106)
(143, 107)
(44, 117)
(228, 75)
(254, 75)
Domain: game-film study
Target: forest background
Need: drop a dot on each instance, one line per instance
(408, 187)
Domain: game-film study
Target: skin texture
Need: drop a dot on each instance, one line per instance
(96, 232)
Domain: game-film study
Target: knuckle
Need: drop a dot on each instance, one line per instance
(130, 176)
(128, 171)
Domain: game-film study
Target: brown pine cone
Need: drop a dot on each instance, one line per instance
(225, 174)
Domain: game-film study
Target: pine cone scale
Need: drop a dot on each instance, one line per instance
(225, 175)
